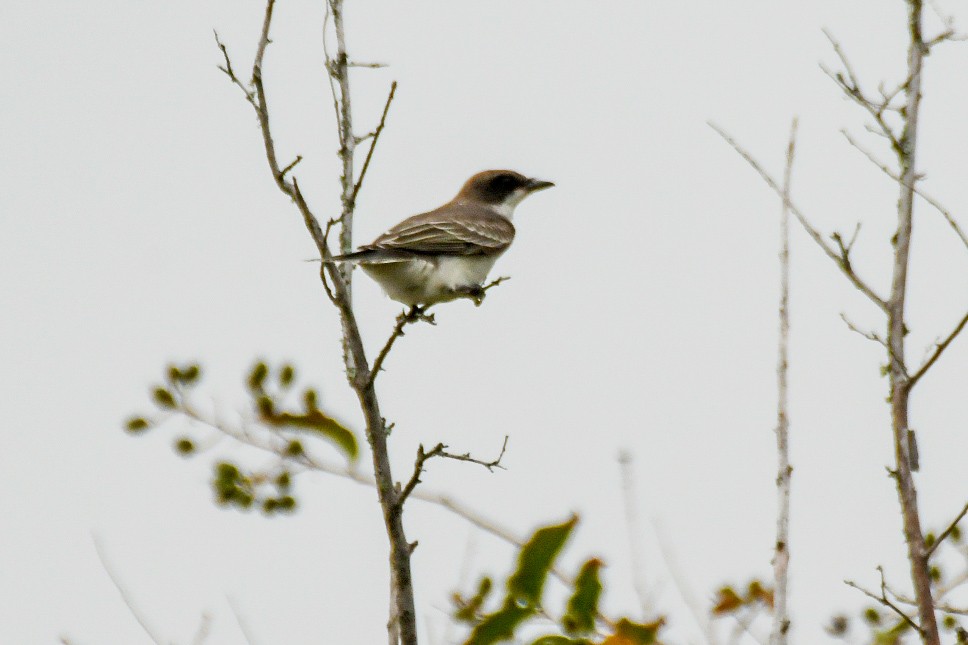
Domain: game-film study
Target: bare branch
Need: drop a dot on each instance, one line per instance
(938, 350)
(781, 547)
(204, 629)
(413, 315)
(440, 450)
(417, 314)
(242, 623)
(367, 65)
(893, 175)
(295, 162)
(633, 532)
(125, 594)
(842, 262)
(851, 87)
(227, 69)
(376, 138)
(905, 448)
(951, 527)
(884, 600)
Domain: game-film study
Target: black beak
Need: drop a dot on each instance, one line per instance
(534, 185)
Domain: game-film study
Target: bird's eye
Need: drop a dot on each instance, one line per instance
(503, 182)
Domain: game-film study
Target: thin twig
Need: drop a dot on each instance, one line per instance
(227, 69)
(851, 87)
(633, 532)
(243, 626)
(869, 335)
(842, 262)
(414, 315)
(279, 446)
(376, 138)
(295, 162)
(204, 629)
(440, 450)
(125, 594)
(951, 527)
(884, 600)
(920, 192)
(938, 350)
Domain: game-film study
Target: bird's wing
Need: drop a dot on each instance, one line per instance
(454, 229)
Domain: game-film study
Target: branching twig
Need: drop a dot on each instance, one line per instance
(440, 450)
(938, 350)
(376, 138)
(842, 262)
(951, 527)
(125, 594)
(295, 162)
(884, 600)
(413, 315)
(851, 87)
(920, 192)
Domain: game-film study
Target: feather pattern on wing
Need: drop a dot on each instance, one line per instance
(453, 229)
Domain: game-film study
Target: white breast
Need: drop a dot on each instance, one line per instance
(419, 281)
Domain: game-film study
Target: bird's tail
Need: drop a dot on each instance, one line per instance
(372, 256)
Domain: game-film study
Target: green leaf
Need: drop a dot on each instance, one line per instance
(319, 423)
(286, 375)
(185, 446)
(137, 424)
(174, 374)
(284, 480)
(535, 560)
(561, 640)
(163, 398)
(266, 407)
(257, 376)
(310, 400)
(579, 617)
(500, 625)
(191, 373)
(468, 609)
(637, 633)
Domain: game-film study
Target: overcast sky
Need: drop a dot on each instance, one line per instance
(139, 224)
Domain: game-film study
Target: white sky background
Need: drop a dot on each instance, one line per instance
(139, 224)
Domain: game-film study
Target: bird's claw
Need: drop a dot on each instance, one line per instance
(415, 315)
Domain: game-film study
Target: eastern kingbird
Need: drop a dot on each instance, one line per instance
(447, 253)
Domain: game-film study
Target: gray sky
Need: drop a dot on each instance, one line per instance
(139, 224)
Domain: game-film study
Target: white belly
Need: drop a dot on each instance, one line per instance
(424, 282)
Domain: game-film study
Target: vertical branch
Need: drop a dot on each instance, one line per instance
(402, 626)
(905, 457)
(781, 555)
(339, 69)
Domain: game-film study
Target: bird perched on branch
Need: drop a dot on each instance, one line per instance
(447, 253)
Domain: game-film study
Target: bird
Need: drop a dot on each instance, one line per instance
(447, 253)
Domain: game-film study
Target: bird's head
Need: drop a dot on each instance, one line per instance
(500, 189)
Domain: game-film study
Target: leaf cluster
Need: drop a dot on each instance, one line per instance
(233, 484)
(578, 623)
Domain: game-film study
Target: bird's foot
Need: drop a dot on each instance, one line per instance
(416, 314)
